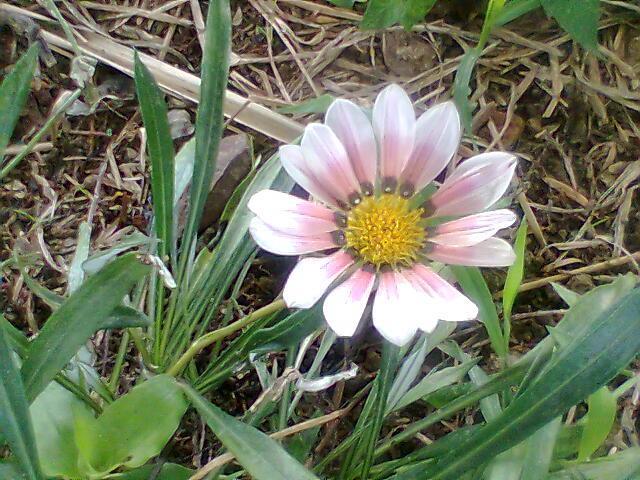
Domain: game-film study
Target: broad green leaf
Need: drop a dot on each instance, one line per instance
(568, 296)
(183, 171)
(313, 105)
(52, 414)
(84, 313)
(597, 422)
(578, 369)
(474, 286)
(624, 465)
(209, 120)
(514, 277)
(435, 380)
(168, 471)
(384, 13)
(262, 457)
(15, 424)
(161, 153)
(578, 17)
(136, 239)
(15, 338)
(13, 94)
(132, 429)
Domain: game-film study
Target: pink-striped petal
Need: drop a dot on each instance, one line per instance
(354, 130)
(394, 125)
(428, 307)
(345, 304)
(329, 161)
(311, 277)
(473, 229)
(475, 185)
(493, 252)
(282, 243)
(455, 307)
(290, 214)
(296, 166)
(437, 140)
(393, 309)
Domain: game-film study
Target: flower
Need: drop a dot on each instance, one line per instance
(376, 234)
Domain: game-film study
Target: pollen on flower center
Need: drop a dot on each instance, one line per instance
(385, 230)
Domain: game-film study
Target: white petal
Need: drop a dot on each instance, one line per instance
(296, 166)
(394, 125)
(475, 185)
(437, 139)
(345, 304)
(493, 252)
(455, 306)
(328, 160)
(353, 128)
(311, 277)
(473, 229)
(281, 243)
(428, 306)
(290, 214)
(394, 309)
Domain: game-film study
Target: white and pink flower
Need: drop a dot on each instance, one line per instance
(376, 236)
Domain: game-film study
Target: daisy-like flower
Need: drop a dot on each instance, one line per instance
(377, 237)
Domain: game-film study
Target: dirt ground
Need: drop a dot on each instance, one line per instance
(573, 119)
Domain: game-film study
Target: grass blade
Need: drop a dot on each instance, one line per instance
(13, 95)
(209, 121)
(15, 423)
(262, 457)
(84, 312)
(154, 115)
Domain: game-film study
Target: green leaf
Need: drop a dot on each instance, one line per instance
(9, 471)
(84, 313)
(15, 424)
(597, 422)
(132, 429)
(621, 466)
(515, 9)
(345, 3)
(435, 380)
(461, 87)
(52, 414)
(578, 17)
(13, 95)
(314, 105)
(262, 457)
(209, 121)
(514, 279)
(578, 369)
(569, 296)
(539, 451)
(474, 286)
(385, 13)
(161, 153)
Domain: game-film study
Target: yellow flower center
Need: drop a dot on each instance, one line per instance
(385, 230)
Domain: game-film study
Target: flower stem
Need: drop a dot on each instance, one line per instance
(212, 337)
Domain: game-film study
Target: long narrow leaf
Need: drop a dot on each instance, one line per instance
(84, 312)
(154, 115)
(209, 121)
(15, 423)
(578, 369)
(262, 457)
(514, 279)
(13, 95)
